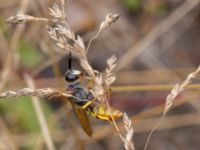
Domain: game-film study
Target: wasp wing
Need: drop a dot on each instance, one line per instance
(83, 118)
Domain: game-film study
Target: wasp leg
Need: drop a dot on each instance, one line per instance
(88, 103)
(90, 84)
(54, 96)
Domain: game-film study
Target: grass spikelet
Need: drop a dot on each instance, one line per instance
(67, 41)
(45, 92)
(128, 142)
(178, 88)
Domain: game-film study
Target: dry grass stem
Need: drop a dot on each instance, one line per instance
(40, 115)
(128, 142)
(114, 123)
(10, 141)
(45, 92)
(6, 71)
(22, 18)
(150, 87)
(178, 88)
(110, 18)
(157, 32)
(67, 41)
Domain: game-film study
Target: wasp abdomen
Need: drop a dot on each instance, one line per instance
(102, 112)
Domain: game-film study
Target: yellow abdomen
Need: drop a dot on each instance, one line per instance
(102, 112)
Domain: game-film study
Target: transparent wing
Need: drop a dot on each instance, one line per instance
(83, 118)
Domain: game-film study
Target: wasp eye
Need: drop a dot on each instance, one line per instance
(72, 75)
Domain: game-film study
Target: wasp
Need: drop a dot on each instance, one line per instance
(84, 103)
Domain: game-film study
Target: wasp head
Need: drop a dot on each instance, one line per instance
(72, 75)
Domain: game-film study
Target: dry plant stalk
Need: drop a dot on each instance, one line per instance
(128, 142)
(45, 92)
(67, 41)
(22, 18)
(40, 115)
(178, 88)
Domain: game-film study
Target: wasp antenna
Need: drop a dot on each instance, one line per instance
(70, 61)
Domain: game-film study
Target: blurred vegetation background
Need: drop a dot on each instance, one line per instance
(157, 45)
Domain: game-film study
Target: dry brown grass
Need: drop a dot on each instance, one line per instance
(156, 78)
(67, 41)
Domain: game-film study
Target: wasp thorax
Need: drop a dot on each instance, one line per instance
(72, 75)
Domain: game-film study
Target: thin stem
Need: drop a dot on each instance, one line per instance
(152, 131)
(40, 116)
(113, 121)
(64, 19)
(92, 39)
